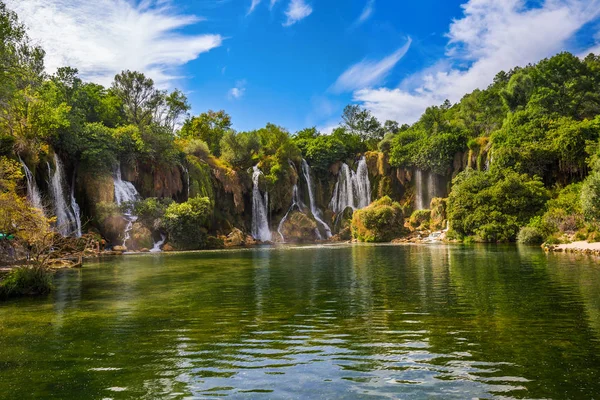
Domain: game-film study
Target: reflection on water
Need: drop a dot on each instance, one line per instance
(320, 322)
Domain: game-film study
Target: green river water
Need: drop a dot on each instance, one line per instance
(400, 322)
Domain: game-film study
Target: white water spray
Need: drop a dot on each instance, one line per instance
(352, 189)
(260, 221)
(66, 222)
(296, 203)
(156, 248)
(33, 193)
(125, 192)
(313, 207)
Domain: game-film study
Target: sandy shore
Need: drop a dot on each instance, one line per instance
(576, 247)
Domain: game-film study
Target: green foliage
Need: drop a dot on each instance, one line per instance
(420, 219)
(530, 235)
(210, 127)
(26, 281)
(494, 205)
(590, 196)
(381, 221)
(187, 223)
(239, 149)
(151, 210)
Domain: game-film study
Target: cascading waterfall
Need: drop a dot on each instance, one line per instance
(33, 193)
(66, 222)
(352, 189)
(125, 192)
(313, 207)
(156, 247)
(427, 186)
(76, 209)
(260, 221)
(296, 203)
(187, 175)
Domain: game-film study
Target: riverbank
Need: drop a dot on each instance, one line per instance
(582, 247)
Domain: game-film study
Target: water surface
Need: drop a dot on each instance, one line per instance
(409, 322)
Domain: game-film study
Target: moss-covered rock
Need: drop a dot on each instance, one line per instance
(438, 213)
(299, 228)
(110, 221)
(420, 219)
(140, 237)
(381, 221)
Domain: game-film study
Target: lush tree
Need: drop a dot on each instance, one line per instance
(210, 127)
(187, 223)
(493, 205)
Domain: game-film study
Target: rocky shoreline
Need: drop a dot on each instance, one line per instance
(580, 247)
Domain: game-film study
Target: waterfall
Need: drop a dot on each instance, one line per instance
(76, 209)
(66, 222)
(260, 222)
(362, 184)
(313, 207)
(352, 189)
(187, 175)
(33, 193)
(427, 186)
(419, 201)
(125, 192)
(296, 203)
(156, 247)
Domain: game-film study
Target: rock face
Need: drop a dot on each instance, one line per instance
(167, 247)
(235, 239)
(381, 221)
(299, 228)
(140, 237)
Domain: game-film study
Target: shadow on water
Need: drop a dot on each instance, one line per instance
(329, 321)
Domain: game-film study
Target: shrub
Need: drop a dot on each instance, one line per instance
(420, 218)
(493, 205)
(187, 223)
(590, 196)
(24, 281)
(530, 235)
(381, 221)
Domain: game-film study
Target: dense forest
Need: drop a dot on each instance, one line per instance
(127, 165)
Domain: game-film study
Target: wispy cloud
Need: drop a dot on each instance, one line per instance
(238, 91)
(368, 73)
(272, 4)
(491, 36)
(366, 13)
(253, 6)
(297, 11)
(104, 37)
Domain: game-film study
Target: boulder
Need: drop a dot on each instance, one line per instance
(299, 228)
(168, 247)
(140, 237)
(119, 248)
(235, 238)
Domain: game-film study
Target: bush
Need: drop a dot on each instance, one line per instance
(590, 196)
(493, 205)
(420, 218)
(187, 223)
(381, 221)
(530, 235)
(438, 213)
(25, 281)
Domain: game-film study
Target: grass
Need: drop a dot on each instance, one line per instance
(26, 281)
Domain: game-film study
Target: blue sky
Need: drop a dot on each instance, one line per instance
(297, 63)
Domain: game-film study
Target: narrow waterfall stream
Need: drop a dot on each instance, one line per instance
(66, 221)
(313, 207)
(33, 193)
(260, 202)
(125, 192)
(156, 248)
(296, 203)
(76, 209)
(352, 189)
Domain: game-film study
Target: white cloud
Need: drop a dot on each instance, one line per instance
(492, 35)
(253, 6)
(368, 73)
(103, 37)
(272, 4)
(366, 12)
(238, 91)
(297, 10)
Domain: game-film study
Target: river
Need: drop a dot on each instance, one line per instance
(361, 321)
